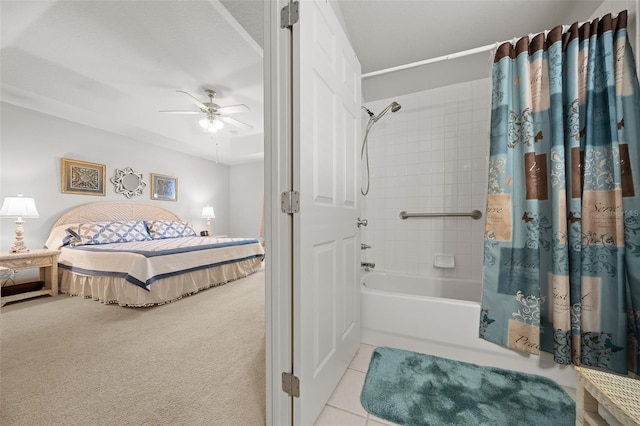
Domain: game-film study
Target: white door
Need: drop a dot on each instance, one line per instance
(326, 239)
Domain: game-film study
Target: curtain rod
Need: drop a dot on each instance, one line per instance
(467, 52)
(456, 55)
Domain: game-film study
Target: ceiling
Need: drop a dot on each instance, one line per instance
(389, 33)
(113, 65)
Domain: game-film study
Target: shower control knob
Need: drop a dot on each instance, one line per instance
(362, 222)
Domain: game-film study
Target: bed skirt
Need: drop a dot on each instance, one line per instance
(117, 290)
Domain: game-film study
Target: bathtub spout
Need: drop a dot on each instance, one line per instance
(367, 266)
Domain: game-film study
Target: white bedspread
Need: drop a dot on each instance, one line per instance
(142, 263)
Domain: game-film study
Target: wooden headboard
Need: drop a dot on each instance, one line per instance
(111, 211)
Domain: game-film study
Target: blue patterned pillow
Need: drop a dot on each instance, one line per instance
(159, 229)
(110, 232)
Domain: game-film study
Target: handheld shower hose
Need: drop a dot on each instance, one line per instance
(364, 151)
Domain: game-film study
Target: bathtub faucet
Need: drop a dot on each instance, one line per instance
(367, 266)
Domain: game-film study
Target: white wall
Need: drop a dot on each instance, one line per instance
(246, 199)
(431, 156)
(33, 143)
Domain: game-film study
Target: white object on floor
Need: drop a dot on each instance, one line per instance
(442, 260)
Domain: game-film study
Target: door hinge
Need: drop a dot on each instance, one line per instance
(290, 202)
(289, 15)
(290, 384)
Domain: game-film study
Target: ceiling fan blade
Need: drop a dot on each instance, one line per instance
(234, 109)
(180, 112)
(194, 99)
(235, 122)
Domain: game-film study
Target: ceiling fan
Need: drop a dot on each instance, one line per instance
(215, 115)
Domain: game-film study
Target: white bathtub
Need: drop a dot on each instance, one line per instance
(440, 316)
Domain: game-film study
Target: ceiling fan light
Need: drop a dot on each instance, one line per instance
(204, 123)
(213, 126)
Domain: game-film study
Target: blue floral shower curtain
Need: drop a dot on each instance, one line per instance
(562, 240)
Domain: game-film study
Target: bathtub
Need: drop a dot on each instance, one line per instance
(440, 316)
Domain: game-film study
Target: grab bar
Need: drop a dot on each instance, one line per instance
(476, 214)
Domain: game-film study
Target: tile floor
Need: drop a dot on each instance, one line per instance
(344, 408)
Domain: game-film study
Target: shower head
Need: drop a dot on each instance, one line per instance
(364, 152)
(393, 106)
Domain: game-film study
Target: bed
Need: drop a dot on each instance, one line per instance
(138, 254)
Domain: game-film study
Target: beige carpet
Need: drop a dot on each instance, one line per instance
(197, 361)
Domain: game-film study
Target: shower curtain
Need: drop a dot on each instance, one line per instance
(562, 237)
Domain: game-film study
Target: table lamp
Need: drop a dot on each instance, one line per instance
(19, 207)
(208, 213)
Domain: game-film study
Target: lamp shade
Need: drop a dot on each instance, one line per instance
(211, 124)
(19, 207)
(207, 212)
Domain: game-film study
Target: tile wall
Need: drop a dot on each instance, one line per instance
(431, 156)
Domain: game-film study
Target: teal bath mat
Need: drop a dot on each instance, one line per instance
(410, 388)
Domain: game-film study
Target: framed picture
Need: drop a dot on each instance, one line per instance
(164, 187)
(82, 177)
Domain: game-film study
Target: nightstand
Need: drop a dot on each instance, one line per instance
(46, 260)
